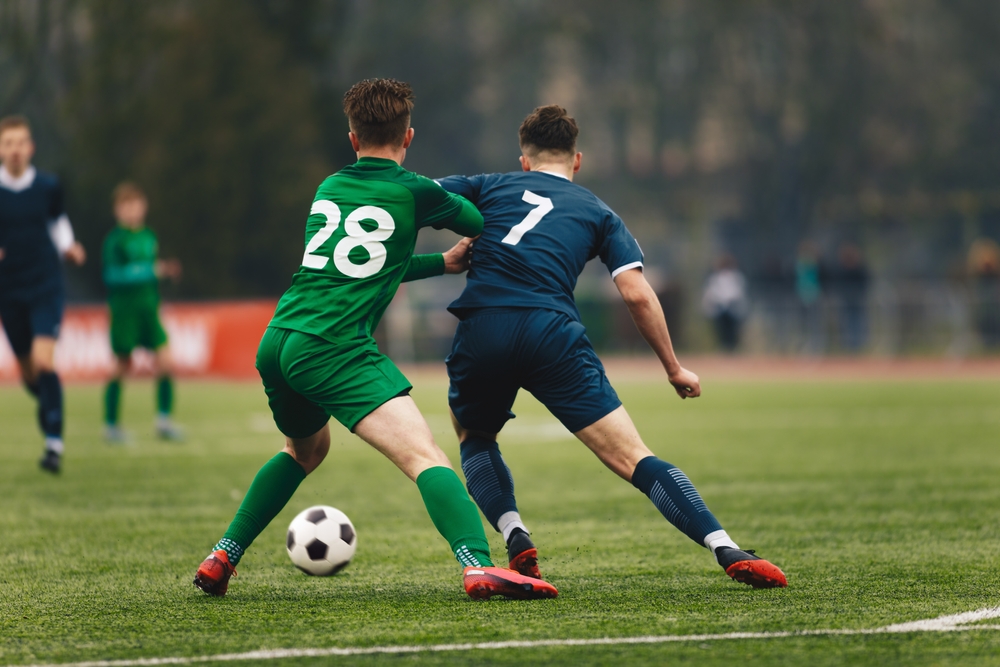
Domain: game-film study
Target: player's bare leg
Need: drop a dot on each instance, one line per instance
(616, 442)
(400, 433)
(39, 374)
(165, 427)
(113, 432)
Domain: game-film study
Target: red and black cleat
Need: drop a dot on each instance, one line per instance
(482, 583)
(523, 555)
(750, 569)
(214, 572)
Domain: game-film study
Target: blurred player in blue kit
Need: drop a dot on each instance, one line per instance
(519, 327)
(34, 234)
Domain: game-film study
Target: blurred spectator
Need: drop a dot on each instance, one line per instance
(808, 289)
(984, 267)
(849, 282)
(725, 301)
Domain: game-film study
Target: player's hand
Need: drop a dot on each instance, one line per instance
(1, 254)
(76, 254)
(168, 268)
(686, 383)
(458, 258)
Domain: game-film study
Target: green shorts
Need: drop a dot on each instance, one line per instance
(308, 380)
(136, 326)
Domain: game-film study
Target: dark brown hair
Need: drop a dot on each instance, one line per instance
(548, 128)
(126, 190)
(378, 111)
(10, 122)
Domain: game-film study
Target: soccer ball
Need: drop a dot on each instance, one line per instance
(321, 541)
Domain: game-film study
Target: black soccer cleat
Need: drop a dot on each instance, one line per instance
(51, 461)
(750, 569)
(523, 555)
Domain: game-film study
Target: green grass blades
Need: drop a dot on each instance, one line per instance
(880, 500)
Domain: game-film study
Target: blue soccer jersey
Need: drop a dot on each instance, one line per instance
(540, 230)
(30, 266)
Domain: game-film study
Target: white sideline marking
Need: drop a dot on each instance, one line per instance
(952, 623)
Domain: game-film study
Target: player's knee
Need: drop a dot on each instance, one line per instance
(309, 452)
(42, 363)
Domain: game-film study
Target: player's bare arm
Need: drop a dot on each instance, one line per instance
(644, 307)
(76, 254)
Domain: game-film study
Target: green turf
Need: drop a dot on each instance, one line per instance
(881, 501)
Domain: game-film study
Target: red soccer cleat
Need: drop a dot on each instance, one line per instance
(482, 583)
(523, 555)
(214, 572)
(526, 563)
(747, 568)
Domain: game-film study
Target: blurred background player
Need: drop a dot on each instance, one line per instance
(34, 233)
(318, 359)
(725, 301)
(131, 274)
(520, 328)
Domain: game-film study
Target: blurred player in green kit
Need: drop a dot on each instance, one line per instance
(132, 273)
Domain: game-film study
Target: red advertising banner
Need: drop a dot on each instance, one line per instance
(206, 339)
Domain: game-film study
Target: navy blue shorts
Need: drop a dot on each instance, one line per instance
(25, 319)
(497, 351)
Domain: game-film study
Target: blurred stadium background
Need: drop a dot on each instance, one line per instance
(843, 156)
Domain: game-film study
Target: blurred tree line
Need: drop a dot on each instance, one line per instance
(711, 126)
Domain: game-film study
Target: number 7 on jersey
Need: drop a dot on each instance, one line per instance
(542, 206)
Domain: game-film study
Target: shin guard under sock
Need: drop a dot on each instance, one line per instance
(454, 515)
(50, 404)
(270, 491)
(676, 498)
(488, 479)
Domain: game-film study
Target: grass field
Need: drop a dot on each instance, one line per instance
(880, 500)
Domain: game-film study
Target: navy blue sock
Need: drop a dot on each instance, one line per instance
(50, 405)
(676, 498)
(488, 478)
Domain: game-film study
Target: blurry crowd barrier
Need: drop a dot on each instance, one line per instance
(892, 318)
(206, 339)
(887, 318)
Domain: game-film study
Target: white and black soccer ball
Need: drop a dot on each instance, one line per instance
(321, 540)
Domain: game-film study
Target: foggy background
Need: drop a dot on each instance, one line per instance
(792, 136)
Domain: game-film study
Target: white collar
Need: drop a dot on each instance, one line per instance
(22, 182)
(552, 173)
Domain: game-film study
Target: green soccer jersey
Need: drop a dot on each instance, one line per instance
(360, 236)
(129, 259)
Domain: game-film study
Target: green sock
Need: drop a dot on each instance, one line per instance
(164, 395)
(271, 489)
(112, 398)
(454, 515)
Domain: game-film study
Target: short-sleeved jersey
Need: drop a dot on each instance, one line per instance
(129, 266)
(360, 236)
(30, 266)
(540, 230)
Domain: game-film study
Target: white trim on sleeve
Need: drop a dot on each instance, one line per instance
(620, 269)
(61, 233)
